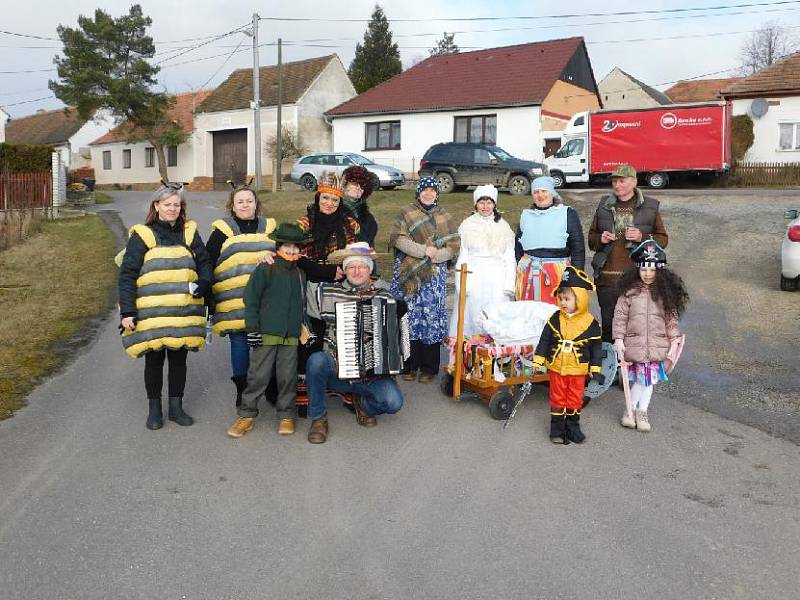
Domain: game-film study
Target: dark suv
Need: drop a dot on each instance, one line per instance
(457, 166)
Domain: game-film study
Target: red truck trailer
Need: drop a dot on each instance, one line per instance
(657, 142)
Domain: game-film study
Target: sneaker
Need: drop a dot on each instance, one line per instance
(628, 420)
(241, 426)
(642, 421)
(286, 427)
(409, 376)
(426, 378)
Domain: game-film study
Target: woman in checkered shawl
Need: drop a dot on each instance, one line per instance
(425, 239)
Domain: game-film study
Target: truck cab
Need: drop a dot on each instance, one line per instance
(570, 163)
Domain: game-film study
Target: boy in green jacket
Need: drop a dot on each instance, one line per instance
(273, 314)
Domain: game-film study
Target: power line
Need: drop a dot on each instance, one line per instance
(222, 65)
(192, 48)
(29, 101)
(539, 17)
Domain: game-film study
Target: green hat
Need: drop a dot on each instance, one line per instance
(624, 171)
(289, 233)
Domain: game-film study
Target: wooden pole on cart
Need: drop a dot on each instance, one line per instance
(459, 345)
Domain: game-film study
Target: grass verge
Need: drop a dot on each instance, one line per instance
(102, 198)
(50, 286)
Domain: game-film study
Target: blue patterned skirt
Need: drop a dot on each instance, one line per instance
(427, 308)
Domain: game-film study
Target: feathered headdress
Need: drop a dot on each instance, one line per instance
(330, 183)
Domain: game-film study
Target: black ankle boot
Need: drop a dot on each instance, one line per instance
(241, 385)
(155, 419)
(558, 432)
(573, 426)
(176, 412)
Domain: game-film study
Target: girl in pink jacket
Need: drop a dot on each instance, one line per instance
(645, 327)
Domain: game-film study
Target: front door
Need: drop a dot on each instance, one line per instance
(230, 157)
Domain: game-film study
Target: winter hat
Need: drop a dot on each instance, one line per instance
(428, 182)
(357, 251)
(289, 233)
(485, 191)
(361, 176)
(329, 183)
(545, 183)
(649, 254)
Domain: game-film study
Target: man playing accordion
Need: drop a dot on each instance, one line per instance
(367, 317)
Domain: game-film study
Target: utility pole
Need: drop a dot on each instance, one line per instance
(257, 106)
(276, 180)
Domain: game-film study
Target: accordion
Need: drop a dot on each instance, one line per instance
(371, 339)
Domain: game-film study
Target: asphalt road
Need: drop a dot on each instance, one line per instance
(437, 502)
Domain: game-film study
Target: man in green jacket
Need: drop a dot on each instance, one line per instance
(273, 314)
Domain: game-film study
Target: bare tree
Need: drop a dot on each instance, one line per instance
(290, 146)
(765, 46)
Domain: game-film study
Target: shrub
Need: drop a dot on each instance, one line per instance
(25, 158)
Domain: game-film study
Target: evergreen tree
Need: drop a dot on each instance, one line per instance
(378, 58)
(105, 67)
(446, 45)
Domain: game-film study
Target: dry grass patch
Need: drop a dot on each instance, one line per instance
(50, 285)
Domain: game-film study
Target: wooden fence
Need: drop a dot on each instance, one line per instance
(20, 191)
(752, 174)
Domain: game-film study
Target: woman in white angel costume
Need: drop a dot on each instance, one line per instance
(487, 247)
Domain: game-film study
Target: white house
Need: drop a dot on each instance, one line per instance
(517, 97)
(772, 99)
(63, 129)
(119, 162)
(620, 90)
(223, 136)
(4, 117)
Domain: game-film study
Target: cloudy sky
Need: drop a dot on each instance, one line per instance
(655, 46)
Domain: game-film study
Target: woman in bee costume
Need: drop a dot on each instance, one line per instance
(164, 275)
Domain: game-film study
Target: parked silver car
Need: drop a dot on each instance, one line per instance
(307, 169)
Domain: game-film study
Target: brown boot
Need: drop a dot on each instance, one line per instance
(362, 418)
(318, 433)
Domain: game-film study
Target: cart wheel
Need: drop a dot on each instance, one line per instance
(501, 404)
(446, 385)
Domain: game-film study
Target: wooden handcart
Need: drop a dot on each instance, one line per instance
(478, 379)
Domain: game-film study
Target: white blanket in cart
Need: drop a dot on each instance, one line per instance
(516, 323)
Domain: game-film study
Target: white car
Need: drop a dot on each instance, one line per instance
(790, 252)
(307, 169)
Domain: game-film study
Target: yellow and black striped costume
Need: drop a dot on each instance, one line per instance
(239, 257)
(168, 316)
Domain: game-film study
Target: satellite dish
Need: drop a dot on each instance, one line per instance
(759, 107)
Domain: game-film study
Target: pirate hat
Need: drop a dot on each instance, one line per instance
(649, 254)
(574, 278)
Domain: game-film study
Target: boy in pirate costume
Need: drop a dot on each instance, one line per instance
(570, 348)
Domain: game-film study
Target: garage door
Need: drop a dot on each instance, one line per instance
(230, 157)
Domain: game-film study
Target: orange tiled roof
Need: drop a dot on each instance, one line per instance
(699, 90)
(180, 112)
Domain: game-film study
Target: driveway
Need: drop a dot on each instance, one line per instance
(437, 502)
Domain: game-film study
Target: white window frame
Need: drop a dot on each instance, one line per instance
(795, 136)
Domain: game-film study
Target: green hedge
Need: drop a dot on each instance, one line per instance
(742, 136)
(24, 158)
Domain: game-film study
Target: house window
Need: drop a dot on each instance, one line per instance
(126, 159)
(478, 129)
(106, 160)
(382, 136)
(172, 156)
(789, 136)
(149, 157)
